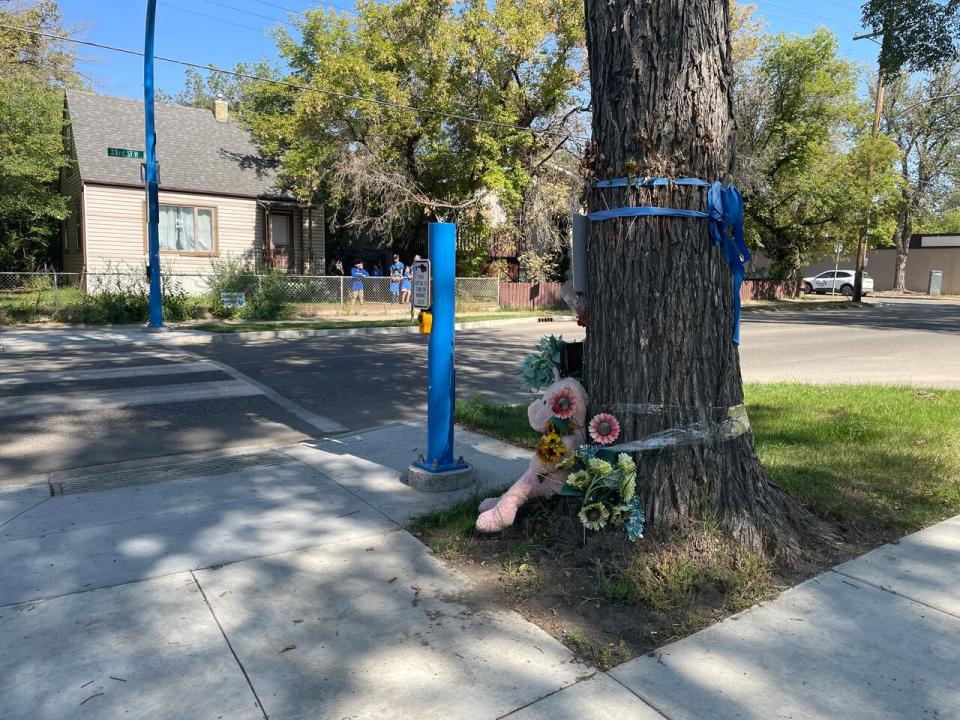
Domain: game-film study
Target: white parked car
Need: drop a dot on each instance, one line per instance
(841, 281)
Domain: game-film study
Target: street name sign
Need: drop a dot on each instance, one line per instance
(420, 270)
(124, 153)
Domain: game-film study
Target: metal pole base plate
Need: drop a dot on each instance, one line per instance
(456, 478)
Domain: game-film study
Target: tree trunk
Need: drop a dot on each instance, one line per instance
(660, 297)
(904, 231)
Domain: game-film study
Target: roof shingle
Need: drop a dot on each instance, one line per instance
(195, 151)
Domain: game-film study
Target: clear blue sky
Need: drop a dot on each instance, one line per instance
(206, 31)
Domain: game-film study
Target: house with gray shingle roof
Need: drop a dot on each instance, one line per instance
(219, 196)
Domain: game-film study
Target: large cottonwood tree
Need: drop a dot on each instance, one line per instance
(660, 298)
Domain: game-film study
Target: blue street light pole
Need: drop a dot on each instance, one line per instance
(438, 470)
(153, 202)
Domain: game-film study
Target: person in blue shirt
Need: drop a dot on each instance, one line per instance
(377, 272)
(356, 288)
(405, 287)
(396, 273)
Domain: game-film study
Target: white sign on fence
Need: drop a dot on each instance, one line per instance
(420, 270)
(233, 299)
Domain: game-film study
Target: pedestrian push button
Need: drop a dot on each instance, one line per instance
(425, 321)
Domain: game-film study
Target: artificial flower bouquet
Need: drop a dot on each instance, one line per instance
(606, 481)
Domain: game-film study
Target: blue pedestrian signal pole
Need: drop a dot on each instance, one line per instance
(439, 470)
(153, 202)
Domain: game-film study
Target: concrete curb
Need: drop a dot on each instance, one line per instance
(176, 336)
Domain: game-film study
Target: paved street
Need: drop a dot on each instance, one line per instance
(71, 399)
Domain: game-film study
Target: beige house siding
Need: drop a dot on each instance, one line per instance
(115, 228)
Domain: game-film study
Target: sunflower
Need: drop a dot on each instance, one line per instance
(620, 514)
(551, 448)
(594, 516)
(604, 429)
(625, 462)
(564, 404)
(579, 479)
(600, 467)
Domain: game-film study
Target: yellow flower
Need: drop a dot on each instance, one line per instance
(551, 448)
(600, 467)
(579, 479)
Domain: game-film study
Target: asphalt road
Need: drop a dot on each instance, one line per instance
(99, 405)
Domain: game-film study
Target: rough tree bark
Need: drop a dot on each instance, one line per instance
(660, 293)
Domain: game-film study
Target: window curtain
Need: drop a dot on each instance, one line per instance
(177, 228)
(168, 227)
(204, 230)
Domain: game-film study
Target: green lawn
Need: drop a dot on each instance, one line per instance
(882, 460)
(254, 326)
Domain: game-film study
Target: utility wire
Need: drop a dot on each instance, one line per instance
(248, 12)
(210, 17)
(297, 86)
(301, 12)
(791, 8)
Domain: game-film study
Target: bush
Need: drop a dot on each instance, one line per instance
(124, 297)
(230, 275)
(266, 294)
(269, 300)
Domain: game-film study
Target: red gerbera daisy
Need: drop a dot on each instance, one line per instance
(564, 404)
(604, 429)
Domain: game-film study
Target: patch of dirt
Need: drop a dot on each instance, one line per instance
(546, 568)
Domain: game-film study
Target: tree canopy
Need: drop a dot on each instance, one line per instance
(914, 34)
(517, 64)
(33, 71)
(803, 155)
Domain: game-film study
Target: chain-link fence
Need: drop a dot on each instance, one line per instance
(69, 297)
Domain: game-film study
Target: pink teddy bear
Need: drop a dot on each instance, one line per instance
(541, 479)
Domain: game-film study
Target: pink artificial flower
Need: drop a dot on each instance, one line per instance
(604, 429)
(564, 404)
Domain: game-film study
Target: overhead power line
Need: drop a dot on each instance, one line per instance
(210, 17)
(795, 9)
(297, 86)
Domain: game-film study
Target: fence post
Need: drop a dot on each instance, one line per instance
(341, 293)
(56, 293)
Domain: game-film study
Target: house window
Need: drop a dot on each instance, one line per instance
(280, 230)
(188, 230)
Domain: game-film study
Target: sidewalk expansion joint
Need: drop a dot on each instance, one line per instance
(233, 652)
(549, 694)
(908, 598)
(640, 697)
(25, 510)
(213, 566)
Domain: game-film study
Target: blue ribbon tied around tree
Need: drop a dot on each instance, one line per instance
(724, 211)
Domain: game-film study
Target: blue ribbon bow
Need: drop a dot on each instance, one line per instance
(726, 230)
(725, 213)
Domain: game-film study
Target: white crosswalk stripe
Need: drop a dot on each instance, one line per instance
(28, 378)
(87, 401)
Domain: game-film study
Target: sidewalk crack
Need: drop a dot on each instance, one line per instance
(246, 676)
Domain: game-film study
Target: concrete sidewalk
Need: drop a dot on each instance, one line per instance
(289, 590)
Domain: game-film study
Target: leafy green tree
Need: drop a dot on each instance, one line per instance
(385, 169)
(927, 132)
(33, 71)
(801, 163)
(914, 34)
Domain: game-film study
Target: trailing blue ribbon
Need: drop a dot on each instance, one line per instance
(726, 229)
(725, 212)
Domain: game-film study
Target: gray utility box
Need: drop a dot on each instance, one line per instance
(935, 286)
